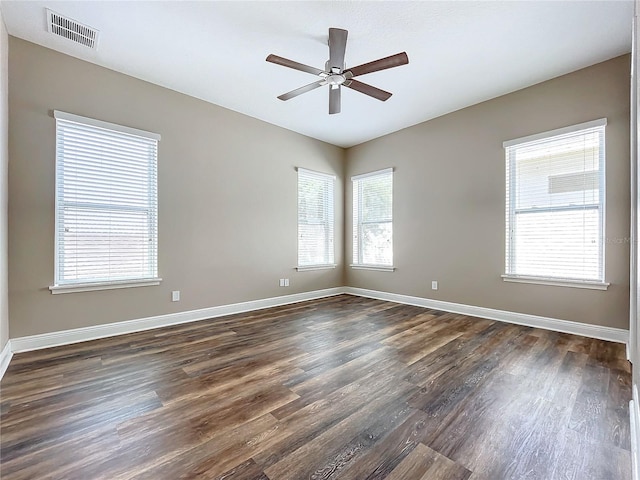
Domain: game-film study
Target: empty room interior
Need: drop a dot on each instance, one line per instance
(319, 240)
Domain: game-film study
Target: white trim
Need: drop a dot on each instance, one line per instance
(601, 122)
(5, 357)
(634, 413)
(91, 286)
(379, 268)
(594, 285)
(70, 117)
(307, 268)
(617, 335)
(322, 175)
(372, 174)
(65, 337)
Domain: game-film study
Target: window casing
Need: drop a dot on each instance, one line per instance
(106, 205)
(315, 220)
(555, 199)
(373, 220)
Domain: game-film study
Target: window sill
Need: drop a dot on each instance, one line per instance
(556, 282)
(307, 268)
(380, 268)
(91, 286)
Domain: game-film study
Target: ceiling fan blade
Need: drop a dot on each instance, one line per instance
(295, 65)
(381, 64)
(337, 47)
(334, 99)
(368, 90)
(301, 90)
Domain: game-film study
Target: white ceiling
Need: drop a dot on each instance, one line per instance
(460, 53)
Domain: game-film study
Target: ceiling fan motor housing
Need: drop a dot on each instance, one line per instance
(336, 79)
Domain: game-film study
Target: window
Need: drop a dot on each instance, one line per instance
(315, 220)
(373, 220)
(106, 205)
(555, 207)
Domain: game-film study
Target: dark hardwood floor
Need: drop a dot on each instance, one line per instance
(338, 388)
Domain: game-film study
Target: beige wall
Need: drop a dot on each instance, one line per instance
(4, 160)
(449, 194)
(227, 196)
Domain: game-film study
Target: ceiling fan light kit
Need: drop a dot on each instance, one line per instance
(336, 75)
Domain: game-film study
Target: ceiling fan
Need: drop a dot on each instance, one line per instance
(336, 75)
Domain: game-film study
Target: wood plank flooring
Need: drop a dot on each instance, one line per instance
(338, 388)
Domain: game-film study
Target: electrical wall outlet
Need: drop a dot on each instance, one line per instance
(434, 285)
(175, 296)
(284, 282)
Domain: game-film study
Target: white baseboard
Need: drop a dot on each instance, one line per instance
(634, 413)
(617, 335)
(5, 358)
(65, 337)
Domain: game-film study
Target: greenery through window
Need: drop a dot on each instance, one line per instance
(373, 218)
(315, 218)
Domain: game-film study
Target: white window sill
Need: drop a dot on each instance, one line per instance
(556, 282)
(380, 268)
(91, 286)
(307, 268)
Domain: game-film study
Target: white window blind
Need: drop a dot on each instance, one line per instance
(373, 218)
(106, 202)
(555, 204)
(315, 218)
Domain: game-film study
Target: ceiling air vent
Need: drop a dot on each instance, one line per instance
(74, 31)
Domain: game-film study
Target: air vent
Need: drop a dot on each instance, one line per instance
(72, 30)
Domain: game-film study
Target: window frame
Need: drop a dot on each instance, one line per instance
(62, 286)
(357, 236)
(328, 221)
(511, 210)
